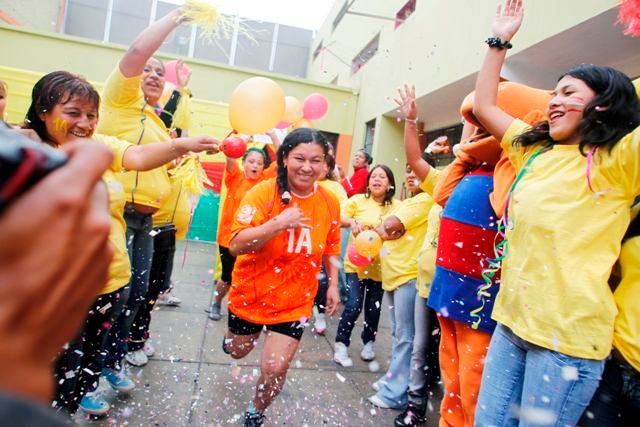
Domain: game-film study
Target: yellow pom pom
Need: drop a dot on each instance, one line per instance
(192, 174)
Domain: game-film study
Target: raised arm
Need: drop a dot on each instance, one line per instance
(148, 42)
(407, 103)
(505, 25)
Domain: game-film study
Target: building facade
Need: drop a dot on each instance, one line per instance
(376, 46)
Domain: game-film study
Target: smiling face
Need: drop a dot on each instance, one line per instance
(566, 109)
(378, 183)
(253, 165)
(76, 118)
(305, 165)
(153, 80)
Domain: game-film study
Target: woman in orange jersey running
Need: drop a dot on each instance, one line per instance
(283, 230)
(238, 182)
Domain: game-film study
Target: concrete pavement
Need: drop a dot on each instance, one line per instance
(191, 382)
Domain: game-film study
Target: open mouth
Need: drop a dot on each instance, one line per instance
(555, 115)
(79, 134)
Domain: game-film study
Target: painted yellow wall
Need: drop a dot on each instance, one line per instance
(37, 53)
(441, 43)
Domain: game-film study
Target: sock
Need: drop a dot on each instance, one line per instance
(251, 409)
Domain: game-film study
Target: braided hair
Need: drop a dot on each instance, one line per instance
(292, 140)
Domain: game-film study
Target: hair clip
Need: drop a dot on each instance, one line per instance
(286, 197)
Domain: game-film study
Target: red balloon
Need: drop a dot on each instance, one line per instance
(171, 72)
(357, 259)
(315, 106)
(233, 147)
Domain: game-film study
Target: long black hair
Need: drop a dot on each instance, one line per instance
(292, 140)
(56, 88)
(391, 191)
(612, 113)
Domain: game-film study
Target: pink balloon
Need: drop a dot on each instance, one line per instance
(315, 106)
(357, 259)
(283, 125)
(170, 72)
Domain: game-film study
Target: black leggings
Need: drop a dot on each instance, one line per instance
(164, 248)
(78, 368)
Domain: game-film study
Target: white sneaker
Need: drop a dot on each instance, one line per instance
(375, 385)
(367, 354)
(341, 356)
(137, 358)
(320, 324)
(169, 299)
(378, 402)
(148, 349)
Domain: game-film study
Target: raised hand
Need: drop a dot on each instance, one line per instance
(407, 102)
(439, 145)
(508, 20)
(183, 75)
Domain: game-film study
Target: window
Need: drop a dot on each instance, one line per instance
(454, 134)
(179, 40)
(368, 137)
(406, 11)
(86, 18)
(365, 54)
(340, 15)
(318, 50)
(128, 20)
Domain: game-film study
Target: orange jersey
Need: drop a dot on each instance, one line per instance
(278, 283)
(237, 185)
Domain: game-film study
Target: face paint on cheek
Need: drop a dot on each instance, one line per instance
(575, 104)
(61, 125)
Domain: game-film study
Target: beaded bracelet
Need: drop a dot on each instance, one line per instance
(498, 43)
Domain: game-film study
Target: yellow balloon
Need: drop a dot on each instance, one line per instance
(292, 110)
(304, 123)
(368, 243)
(256, 106)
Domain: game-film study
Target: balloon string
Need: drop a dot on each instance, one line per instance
(500, 248)
(590, 155)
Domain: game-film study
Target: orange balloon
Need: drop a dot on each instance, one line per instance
(304, 123)
(292, 110)
(368, 243)
(256, 106)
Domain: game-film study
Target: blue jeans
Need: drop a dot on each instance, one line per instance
(360, 291)
(140, 247)
(342, 278)
(395, 383)
(617, 400)
(524, 384)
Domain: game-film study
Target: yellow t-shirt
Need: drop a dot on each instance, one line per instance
(399, 258)
(626, 336)
(125, 115)
(336, 188)
(367, 212)
(636, 83)
(428, 251)
(175, 209)
(563, 241)
(120, 268)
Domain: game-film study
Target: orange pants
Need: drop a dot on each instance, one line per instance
(462, 353)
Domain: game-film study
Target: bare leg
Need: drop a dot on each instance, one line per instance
(276, 357)
(238, 346)
(222, 288)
